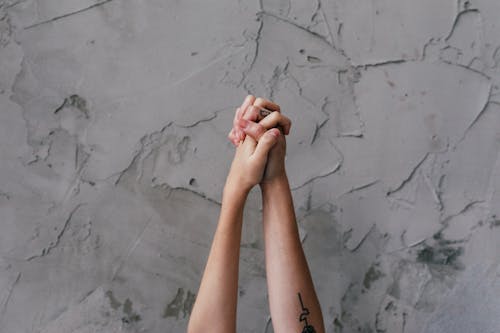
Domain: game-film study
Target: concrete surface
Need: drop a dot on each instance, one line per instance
(113, 123)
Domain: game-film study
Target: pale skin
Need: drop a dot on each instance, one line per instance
(259, 159)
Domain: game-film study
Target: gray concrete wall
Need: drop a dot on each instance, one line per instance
(113, 154)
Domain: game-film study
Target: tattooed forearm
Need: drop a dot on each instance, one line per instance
(303, 317)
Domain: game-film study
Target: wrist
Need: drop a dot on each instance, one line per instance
(279, 181)
(234, 191)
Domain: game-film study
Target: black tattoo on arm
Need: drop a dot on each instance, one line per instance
(303, 317)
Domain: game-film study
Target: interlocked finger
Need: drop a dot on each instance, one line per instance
(276, 119)
(266, 104)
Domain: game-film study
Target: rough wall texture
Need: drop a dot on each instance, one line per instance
(113, 150)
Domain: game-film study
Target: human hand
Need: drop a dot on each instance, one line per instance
(266, 107)
(247, 168)
(236, 134)
(269, 116)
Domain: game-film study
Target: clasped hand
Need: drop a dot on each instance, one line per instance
(260, 144)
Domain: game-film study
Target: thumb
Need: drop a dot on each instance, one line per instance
(266, 142)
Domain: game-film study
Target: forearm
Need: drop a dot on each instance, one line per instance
(215, 306)
(286, 266)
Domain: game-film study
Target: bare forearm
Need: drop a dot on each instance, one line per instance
(287, 270)
(215, 306)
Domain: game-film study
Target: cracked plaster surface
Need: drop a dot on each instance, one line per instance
(113, 149)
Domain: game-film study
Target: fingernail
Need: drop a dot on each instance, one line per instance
(275, 132)
(243, 123)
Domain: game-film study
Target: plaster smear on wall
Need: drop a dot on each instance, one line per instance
(113, 148)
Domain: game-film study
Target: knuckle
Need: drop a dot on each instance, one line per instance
(260, 130)
(267, 140)
(270, 136)
(253, 115)
(275, 116)
(260, 101)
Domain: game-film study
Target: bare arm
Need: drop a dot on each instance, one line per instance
(292, 298)
(293, 302)
(215, 306)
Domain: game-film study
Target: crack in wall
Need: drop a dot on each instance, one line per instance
(131, 249)
(4, 301)
(60, 17)
(409, 177)
(54, 244)
(478, 116)
(286, 20)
